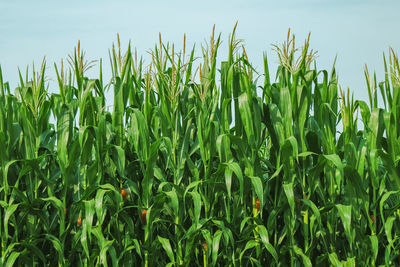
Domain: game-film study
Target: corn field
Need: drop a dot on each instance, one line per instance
(199, 163)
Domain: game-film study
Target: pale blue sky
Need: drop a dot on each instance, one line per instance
(357, 31)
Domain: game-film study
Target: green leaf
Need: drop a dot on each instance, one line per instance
(288, 188)
(58, 247)
(12, 258)
(174, 200)
(228, 181)
(215, 246)
(289, 149)
(383, 199)
(345, 216)
(315, 210)
(249, 245)
(223, 146)
(265, 240)
(119, 159)
(197, 205)
(235, 167)
(167, 247)
(333, 258)
(245, 115)
(9, 211)
(335, 159)
(388, 228)
(374, 246)
(299, 251)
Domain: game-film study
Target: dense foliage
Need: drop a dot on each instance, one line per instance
(185, 169)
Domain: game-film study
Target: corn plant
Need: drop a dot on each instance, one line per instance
(199, 162)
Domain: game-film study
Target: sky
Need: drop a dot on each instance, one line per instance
(357, 32)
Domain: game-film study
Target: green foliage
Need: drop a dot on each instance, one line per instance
(188, 170)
